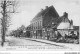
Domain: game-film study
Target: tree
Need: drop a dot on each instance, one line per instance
(7, 6)
(21, 30)
(18, 32)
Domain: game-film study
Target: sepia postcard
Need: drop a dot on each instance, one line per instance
(39, 25)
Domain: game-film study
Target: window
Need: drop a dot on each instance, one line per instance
(41, 23)
(34, 26)
(38, 25)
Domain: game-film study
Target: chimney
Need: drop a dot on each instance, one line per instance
(41, 9)
(46, 7)
(65, 14)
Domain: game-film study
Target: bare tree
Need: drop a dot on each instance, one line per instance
(8, 7)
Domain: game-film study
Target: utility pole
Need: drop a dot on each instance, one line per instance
(4, 21)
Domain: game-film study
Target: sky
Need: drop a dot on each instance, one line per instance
(27, 9)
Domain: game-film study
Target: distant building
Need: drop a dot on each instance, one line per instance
(27, 33)
(39, 24)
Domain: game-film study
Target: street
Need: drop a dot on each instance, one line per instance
(28, 44)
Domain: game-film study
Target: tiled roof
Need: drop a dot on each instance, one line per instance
(57, 21)
(43, 12)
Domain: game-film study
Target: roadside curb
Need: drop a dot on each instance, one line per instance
(45, 42)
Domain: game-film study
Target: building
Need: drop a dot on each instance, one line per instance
(27, 33)
(60, 25)
(40, 23)
(47, 24)
(66, 31)
(65, 26)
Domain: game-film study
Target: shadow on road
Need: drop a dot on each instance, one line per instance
(47, 43)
